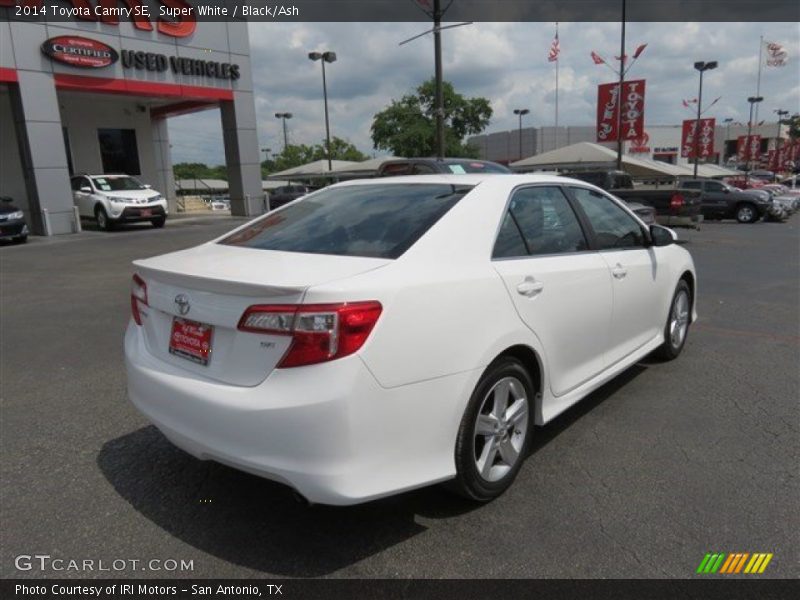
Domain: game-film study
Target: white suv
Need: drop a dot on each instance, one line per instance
(112, 199)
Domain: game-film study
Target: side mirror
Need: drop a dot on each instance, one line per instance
(726, 191)
(661, 236)
(147, 186)
(86, 189)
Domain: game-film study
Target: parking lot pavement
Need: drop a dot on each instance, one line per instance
(665, 463)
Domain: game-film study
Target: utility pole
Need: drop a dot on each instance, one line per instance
(437, 48)
(620, 100)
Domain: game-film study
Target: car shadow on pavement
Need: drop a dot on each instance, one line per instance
(253, 522)
(259, 524)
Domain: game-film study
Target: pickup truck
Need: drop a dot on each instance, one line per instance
(722, 201)
(674, 204)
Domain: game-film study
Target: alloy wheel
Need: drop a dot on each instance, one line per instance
(679, 319)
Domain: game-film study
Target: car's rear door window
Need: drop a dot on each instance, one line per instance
(381, 221)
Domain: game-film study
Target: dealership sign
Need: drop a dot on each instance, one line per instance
(748, 149)
(698, 142)
(82, 52)
(608, 111)
(77, 51)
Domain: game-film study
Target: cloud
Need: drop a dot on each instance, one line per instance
(504, 62)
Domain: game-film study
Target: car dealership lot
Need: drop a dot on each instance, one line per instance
(641, 479)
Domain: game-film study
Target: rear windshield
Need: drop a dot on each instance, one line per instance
(381, 221)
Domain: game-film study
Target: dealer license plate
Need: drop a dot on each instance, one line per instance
(191, 340)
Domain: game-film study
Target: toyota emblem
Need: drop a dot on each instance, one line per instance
(182, 300)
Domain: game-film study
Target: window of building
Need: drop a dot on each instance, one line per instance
(118, 151)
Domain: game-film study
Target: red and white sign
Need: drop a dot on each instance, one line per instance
(608, 107)
(748, 149)
(191, 340)
(78, 51)
(698, 142)
(640, 145)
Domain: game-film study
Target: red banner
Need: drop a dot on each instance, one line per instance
(748, 149)
(702, 142)
(608, 105)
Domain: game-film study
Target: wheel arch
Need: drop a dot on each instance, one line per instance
(689, 278)
(533, 364)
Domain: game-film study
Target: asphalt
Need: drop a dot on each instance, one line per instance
(642, 479)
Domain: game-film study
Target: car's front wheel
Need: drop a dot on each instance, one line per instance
(677, 327)
(103, 222)
(495, 432)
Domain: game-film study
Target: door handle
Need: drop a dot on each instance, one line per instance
(619, 271)
(530, 287)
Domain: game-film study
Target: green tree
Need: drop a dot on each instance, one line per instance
(295, 155)
(199, 171)
(794, 126)
(407, 127)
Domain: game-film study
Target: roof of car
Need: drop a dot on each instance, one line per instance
(466, 179)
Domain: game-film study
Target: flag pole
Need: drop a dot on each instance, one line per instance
(558, 60)
(621, 88)
(760, 62)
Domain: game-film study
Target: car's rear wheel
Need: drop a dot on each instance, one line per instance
(158, 223)
(746, 213)
(103, 222)
(677, 327)
(496, 429)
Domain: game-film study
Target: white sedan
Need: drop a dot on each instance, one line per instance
(382, 335)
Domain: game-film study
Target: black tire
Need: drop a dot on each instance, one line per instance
(746, 213)
(158, 223)
(673, 344)
(512, 433)
(103, 222)
(21, 239)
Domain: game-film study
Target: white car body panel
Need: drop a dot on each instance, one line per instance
(350, 430)
(88, 201)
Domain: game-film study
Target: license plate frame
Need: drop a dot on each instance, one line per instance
(191, 340)
(146, 212)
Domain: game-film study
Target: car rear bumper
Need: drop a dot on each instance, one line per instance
(330, 431)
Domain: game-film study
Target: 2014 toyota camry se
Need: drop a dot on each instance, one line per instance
(382, 335)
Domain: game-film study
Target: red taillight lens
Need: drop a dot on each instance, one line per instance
(138, 294)
(320, 332)
(676, 202)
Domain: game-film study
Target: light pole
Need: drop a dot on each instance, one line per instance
(727, 122)
(520, 112)
(753, 100)
(781, 114)
(702, 67)
(621, 87)
(324, 57)
(283, 116)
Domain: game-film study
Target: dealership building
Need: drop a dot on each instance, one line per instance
(94, 95)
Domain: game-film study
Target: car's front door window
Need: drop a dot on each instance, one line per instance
(613, 227)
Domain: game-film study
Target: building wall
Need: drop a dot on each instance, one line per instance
(36, 109)
(503, 146)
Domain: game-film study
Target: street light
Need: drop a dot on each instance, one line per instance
(520, 112)
(324, 57)
(781, 114)
(727, 122)
(701, 66)
(753, 100)
(284, 116)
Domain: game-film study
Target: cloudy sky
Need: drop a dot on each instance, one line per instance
(504, 62)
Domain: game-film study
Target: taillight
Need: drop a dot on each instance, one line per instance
(138, 294)
(320, 332)
(676, 202)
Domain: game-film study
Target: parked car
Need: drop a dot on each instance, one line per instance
(762, 176)
(672, 204)
(287, 193)
(114, 199)
(429, 166)
(785, 194)
(722, 201)
(382, 335)
(12, 221)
